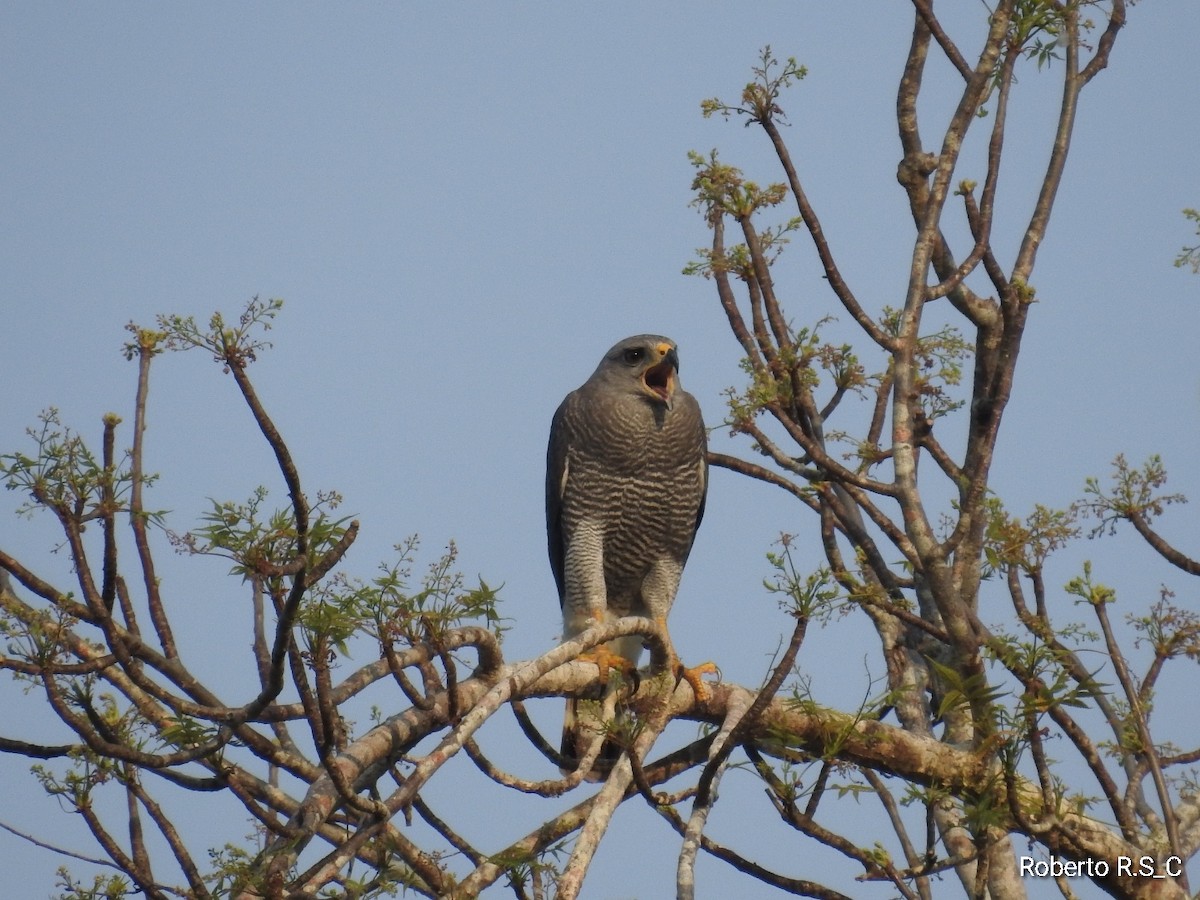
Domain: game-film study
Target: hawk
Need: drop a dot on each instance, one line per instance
(626, 479)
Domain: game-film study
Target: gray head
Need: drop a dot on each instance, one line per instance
(646, 365)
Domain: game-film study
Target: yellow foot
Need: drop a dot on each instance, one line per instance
(605, 659)
(692, 677)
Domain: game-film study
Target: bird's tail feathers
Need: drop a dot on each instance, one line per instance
(584, 723)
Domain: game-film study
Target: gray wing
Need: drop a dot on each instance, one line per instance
(701, 438)
(556, 470)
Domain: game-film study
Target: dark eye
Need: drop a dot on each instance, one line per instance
(633, 355)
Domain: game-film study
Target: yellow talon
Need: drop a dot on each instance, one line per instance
(605, 659)
(683, 673)
(692, 677)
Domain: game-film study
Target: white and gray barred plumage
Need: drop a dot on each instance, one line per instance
(626, 479)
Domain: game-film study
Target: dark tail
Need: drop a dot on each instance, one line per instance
(582, 722)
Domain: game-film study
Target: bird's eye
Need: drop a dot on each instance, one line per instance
(634, 355)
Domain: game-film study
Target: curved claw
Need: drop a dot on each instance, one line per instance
(683, 673)
(692, 677)
(605, 659)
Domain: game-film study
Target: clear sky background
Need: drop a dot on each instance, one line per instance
(463, 206)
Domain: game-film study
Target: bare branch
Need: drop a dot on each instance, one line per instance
(1163, 547)
(925, 11)
(146, 347)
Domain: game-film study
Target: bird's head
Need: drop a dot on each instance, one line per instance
(647, 364)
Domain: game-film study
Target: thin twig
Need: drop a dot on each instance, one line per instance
(61, 851)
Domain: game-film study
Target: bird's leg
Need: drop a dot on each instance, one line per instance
(692, 677)
(683, 673)
(605, 659)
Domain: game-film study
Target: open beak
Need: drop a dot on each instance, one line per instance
(662, 379)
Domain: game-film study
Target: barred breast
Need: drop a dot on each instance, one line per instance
(634, 493)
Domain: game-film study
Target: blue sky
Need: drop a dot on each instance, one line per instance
(463, 207)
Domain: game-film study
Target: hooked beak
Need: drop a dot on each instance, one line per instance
(662, 379)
